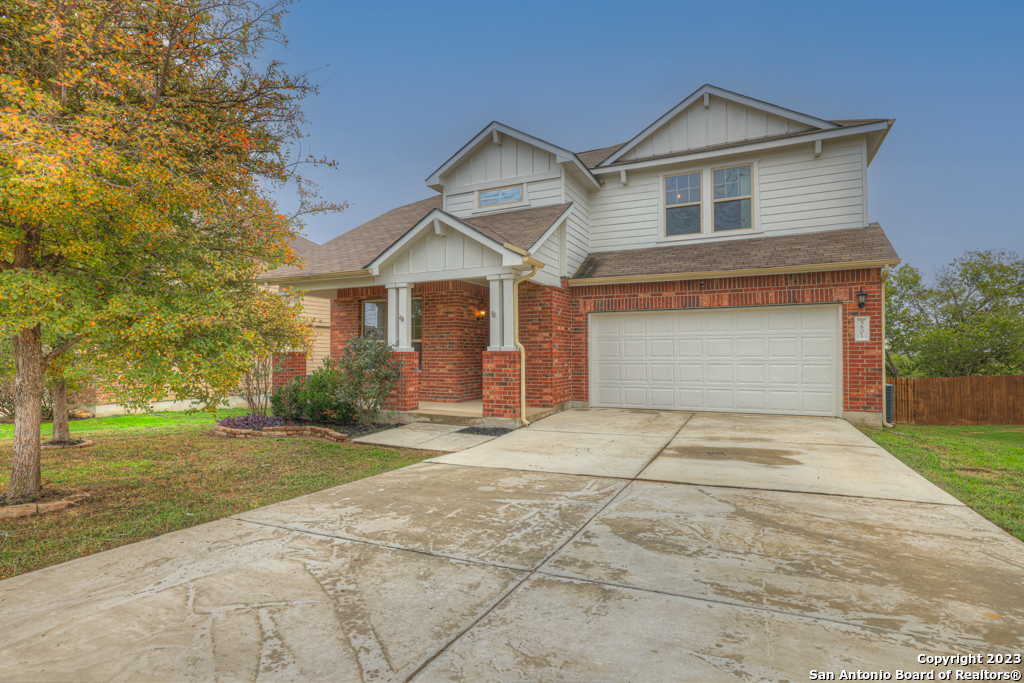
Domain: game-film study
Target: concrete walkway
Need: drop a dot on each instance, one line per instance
(425, 436)
(593, 545)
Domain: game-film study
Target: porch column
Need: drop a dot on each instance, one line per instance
(501, 314)
(400, 316)
(392, 313)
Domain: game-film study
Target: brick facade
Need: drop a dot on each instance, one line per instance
(862, 361)
(453, 340)
(288, 365)
(544, 330)
(456, 367)
(501, 383)
(406, 394)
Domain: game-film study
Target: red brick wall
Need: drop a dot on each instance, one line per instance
(406, 395)
(862, 361)
(453, 340)
(347, 315)
(545, 332)
(291, 365)
(501, 383)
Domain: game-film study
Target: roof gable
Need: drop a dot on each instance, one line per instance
(494, 134)
(711, 117)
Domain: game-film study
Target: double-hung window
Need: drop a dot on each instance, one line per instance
(732, 198)
(682, 204)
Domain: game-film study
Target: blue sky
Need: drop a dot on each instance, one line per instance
(404, 85)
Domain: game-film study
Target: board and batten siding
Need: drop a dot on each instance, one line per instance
(719, 123)
(511, 159)
(577, 236)
(795, 192)
(434, 253)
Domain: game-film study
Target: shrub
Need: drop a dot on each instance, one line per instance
(369, 374)
(288, 401)
(323, 396)
(257, 383)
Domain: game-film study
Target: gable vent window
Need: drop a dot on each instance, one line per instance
(682, 204)
(732, 199)
(503, 195)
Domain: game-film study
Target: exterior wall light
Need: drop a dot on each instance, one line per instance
(862, 298)
(480, 315)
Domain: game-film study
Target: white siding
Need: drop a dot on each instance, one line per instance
(577, 238)
(548, 253)
(795, 192)
(318, 311)
(721, 122)
(538, 193)
(506, 161)
(433, 253)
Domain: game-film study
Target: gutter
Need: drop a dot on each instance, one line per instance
(816, 267)
(534, 265)
(293, 278)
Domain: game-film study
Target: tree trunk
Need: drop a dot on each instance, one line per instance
(61, 428)
(26, 479)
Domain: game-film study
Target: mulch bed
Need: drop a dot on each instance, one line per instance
(485, 431)
(353, 431)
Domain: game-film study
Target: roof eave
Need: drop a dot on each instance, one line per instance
(818, 267)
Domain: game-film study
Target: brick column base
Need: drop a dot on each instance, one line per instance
(406, 394)
(291, 364)
(501, 383)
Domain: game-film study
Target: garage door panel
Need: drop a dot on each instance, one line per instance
(720, 347)
(818, 347)
(609, 349)
(690, 348)
(635, 372)
(720, 373)
(634, 348)
(767, 359)
(689, 373)
(747, 399)
(662, 348)
(662, 373)
(609, 372)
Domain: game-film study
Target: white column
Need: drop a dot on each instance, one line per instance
(494, 315)
(508, 335)
(392, 314)
(405, 317)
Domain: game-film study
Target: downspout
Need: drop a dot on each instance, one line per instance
(885, 276)
(515, 338)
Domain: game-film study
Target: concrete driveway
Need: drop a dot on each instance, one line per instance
(594, 545)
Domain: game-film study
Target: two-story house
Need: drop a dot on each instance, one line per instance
(719, 260)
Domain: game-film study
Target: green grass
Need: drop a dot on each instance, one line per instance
(983, 466)
(130, 422)
(151, 475)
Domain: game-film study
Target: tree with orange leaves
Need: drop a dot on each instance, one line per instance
(139, 144)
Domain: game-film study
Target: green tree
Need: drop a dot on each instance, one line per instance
(141, 143)
(969, 320)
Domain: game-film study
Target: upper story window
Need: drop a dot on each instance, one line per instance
(682, 204)
(732, 197)
(503, 195)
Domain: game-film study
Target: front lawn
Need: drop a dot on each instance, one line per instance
(983, 466)
(150, 475)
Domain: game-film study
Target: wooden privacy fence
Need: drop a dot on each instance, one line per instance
(959, 400)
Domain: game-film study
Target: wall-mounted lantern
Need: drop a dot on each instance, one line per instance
(862, 298)
(480, 315)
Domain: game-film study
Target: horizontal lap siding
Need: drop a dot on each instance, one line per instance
(796, 192)
(539, 193)
(577, 238)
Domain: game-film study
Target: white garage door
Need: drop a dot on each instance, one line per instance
(769, 359)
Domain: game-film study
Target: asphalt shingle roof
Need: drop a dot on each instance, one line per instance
(851, 245)
(596, 156)
(357, 248)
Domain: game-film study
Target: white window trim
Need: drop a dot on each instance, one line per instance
(497, 208)
(665, 207)
(707, 209)
(753, 222)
